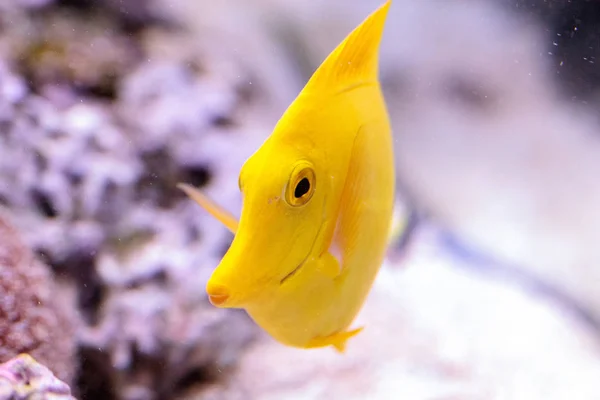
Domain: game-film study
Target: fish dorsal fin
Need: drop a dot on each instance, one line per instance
(355, 60)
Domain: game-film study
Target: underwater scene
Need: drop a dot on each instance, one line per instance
(299, 199)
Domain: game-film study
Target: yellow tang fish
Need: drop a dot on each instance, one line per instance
(317, 204)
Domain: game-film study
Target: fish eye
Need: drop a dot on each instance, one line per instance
(301, 186)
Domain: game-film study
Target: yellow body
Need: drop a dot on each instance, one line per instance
(317, 204)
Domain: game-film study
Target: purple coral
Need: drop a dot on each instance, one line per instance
(33, 319)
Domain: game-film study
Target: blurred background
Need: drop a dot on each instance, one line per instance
(490, 290)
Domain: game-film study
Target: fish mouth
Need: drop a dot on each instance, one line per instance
(217, 294)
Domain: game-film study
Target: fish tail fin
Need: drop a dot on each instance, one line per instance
(355, 60)
(211, 207)
(337, 340)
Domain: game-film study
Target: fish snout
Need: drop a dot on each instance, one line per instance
(217, 294)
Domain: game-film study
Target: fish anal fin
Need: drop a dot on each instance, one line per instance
(211, 207)
(337, 340)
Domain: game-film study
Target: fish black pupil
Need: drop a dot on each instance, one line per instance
(302, 188)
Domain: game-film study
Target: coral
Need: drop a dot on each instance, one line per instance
(33, 318)
(24, 378)
(91, 182)
(83, 52)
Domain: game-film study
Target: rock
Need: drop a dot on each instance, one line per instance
(239, 40)
(487, 146)
(17, 5)
(24, 378)
(434, 329)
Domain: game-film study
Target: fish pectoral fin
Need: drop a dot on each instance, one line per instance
(329, 265)
(337, 340)
(211, 207)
